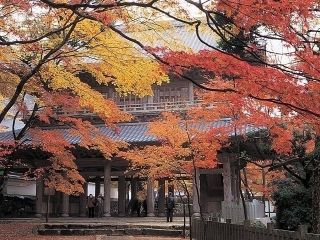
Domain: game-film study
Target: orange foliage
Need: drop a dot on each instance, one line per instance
(183, 147)
(255, 179)
(252, 95)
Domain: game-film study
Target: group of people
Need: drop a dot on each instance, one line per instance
(95, 206)
(137, 205)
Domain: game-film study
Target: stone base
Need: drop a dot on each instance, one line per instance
(109, 229)
(64, 215)
(106, 215)
(150, 215)
(196, 216)
(38, 215)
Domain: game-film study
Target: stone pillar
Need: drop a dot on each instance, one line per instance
(161, 198)
(196, 194)
(65, 205)
(150, 198)
(227, 180)
(122, 196)
(107, 188)
(97, 186)
(83, 201)
(39, 195)
(191, 93)
(134, 188)
(235, 184)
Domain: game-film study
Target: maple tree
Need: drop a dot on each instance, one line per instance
(46, 46)
(184, 147)
(260, 90)
(260, 181)
(283, 97)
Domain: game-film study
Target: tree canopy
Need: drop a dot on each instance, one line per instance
(46, 44)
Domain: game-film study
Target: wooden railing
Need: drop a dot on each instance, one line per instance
(145, 107)
(210, 230)
(159, 107)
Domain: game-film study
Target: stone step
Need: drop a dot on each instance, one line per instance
(80, 232)
(106, 226)
(111, 232)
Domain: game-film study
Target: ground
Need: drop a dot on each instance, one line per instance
(23, 230)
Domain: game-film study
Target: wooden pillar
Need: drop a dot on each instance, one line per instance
(227, 180)
(127, 197)
(150, 99)
(107, 188)
(134, 188)
(65, 205)
(83, 201)
(97, 186)
(196, 193)
(150, 198)
(171, 187)
(39, 195)
(161, 198)
(122, 196)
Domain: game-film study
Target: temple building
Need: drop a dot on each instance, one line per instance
(112, 178)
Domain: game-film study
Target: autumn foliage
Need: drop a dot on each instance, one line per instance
(183, 147)
(46, 48)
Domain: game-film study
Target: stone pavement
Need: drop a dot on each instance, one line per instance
(115, 226)
(100, 237)
(23, 230)
(153, 228)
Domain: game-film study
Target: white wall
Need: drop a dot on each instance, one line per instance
(91, 190)
(20, 187)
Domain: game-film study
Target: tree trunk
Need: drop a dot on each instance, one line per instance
(316, 201)
(246, 185)
(245, 213)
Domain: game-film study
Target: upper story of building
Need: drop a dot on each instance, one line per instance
(176, 95)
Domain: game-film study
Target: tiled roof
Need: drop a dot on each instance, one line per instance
(136, 132)
(189, 38)
(177, 37)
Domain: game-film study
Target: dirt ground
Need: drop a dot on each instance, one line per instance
(23, 231)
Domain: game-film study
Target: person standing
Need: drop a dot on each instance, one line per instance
(170, 207)
(90, 205)
(99, 204)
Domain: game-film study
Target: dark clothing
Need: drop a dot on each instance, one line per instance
(170, 206)
(145, 208)
(91, 203)
(170, 202)
(135, 206)
(99, 206)
(91, 212)
(169, 215)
